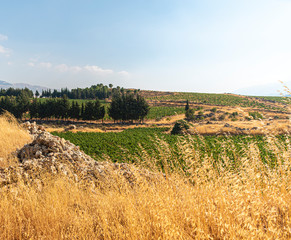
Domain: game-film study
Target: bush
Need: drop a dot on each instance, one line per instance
(200, 113)
(221, 117)
(180, 127)
(213, 110)
(234, 114)
(256, 115)
(190, 114)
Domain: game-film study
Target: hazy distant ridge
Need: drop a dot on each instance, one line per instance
(271, 89)
(5, 85)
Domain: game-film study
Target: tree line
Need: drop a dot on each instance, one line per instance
(123, 107)
(99, 91)
(16, 92)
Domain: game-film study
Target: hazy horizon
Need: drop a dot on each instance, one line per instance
(190, 46)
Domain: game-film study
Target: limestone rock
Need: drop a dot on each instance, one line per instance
(51, 155)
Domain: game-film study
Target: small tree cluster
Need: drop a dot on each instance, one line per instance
(128, 106)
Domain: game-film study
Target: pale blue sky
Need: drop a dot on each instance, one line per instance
(176, 45)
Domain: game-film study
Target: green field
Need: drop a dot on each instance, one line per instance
(160, 112)
(136, 145)
(215, 99)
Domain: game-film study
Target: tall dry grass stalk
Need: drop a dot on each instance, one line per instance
(200, 199)
(12, 136)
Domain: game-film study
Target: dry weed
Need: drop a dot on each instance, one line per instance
(12, 136)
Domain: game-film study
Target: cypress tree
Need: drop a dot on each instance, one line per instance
(187, 106)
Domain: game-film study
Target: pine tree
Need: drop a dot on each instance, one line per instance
(37, 94)
(99, 111)
(187, 106)
(34, 109)
(89, 111)
(128, 107)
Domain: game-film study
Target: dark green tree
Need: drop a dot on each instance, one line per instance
(187, 106)
(34, 109)
(64, 107)
(128, 107)
(75, 110)
(22, 104)
(88, 113)
(98, 111)
(37, 94)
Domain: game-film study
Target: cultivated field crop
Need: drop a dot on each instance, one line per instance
(131, 145)
(160, 112)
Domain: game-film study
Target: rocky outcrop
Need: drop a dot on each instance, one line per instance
(49, 155)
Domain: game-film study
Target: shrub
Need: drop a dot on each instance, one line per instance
(190, 114)
(180, 127)
(234, 114)
(221, 117)
(213, 119)
(256, 115)
(213, 110)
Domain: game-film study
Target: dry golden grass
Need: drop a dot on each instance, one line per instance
(85, 129)
(208, 201)
(12, 136)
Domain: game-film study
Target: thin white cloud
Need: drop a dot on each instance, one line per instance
(124, 73)
(96, 69)
(62, 67)
(66, 68)
(9, 63)
(45, 65)
(87, 68)
(5, 51)
(3, 37)
(75, 69)
(31, 64)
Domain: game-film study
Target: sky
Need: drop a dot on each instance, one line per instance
(170, 45)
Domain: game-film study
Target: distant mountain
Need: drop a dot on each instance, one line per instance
(270, 89)
(5, 85)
